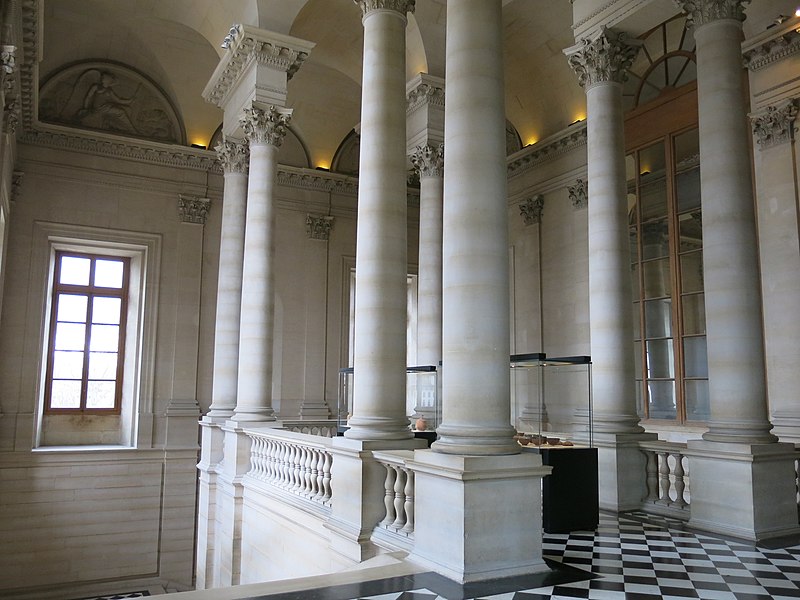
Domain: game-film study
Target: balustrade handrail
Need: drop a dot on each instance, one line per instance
(662, 445)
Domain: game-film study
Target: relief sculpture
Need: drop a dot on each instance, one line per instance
(109, 97)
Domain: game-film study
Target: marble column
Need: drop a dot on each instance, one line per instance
(379, 363)
(234, 157)
(730, 251)
(428, 160)
(265, 130)
(476, 343)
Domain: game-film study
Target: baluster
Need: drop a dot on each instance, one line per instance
(326, 478)
(409, 505)
(680, 484)
(316, 457)
(652, 475)
(664, 478)
(256, 457)
(274, 464)
(399, 498)
(294, 473)
(308, 489)
(388, 499)
(283, 477)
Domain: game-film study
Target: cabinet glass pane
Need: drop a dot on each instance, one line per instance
(698, 407)
(657, 281)
(694, 314)
(695, 359)
(661, 401)
(660, 359)
(658, 318)
(633, 240)
(692, 272)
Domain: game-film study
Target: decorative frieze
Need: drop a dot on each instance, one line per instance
(579, 194)
(700, 12)
(604, 57)
(531, 209)
(549, 149)
(775, 125)
(265, 126)
(401, 6)
(192, 209)
(429, 160)
(234, 156)
(318, 227)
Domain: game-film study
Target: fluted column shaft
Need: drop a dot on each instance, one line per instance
(730, 251)
(475, 278)
(381, 253)
(429, 161)
(265, 130)
(234, 157)
(601, 63)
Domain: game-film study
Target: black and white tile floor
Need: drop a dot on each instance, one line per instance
(627, 558)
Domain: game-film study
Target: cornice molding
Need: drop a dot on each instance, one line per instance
(309, 179)
(775, 125)
(245, 45)
(701, 12)
(192, 209)
(401, 6)
(29, 67)
(562, 143)
(602, 57)
(426, 92)
(596, 13)
(428, 160)
(772, 45)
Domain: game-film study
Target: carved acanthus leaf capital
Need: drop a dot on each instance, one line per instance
(775, 125)
(318, 227)
(234, 156)
(579, 194)
(429, 160)
(401, 6)
(8, 61)
(192, 209)
(265, 126)
(531, 209)
(700, 12)
(604, 57)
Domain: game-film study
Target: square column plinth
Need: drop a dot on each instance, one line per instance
(743, 490)
(478, 517)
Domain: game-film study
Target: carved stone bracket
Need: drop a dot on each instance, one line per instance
(428, 160)
(318, 227)
(234, 156)
(531, 210)
(604, 57)
(775, 125)
(401, 6)
(192, 209)
(700, 12)
(579, 194)
(265, 126)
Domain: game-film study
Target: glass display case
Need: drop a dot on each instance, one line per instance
(422, 398)
(552, 400)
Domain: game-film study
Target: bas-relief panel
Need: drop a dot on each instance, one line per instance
(110, 97)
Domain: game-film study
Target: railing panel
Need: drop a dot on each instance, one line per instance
(397, 526)
(667, 478)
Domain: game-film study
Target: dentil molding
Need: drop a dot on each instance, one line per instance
(265, 126)
(775, 124)
(603, 57)
(234, 156)
(548, 149)
(700, 12)
(774, 44)
(428, 160)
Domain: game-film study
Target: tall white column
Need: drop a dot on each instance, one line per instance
(265, 130)
(234, 157)
(730, 250)
(476, 342)
(381, 253)
(429, 162)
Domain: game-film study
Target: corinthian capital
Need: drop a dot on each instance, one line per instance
(401, 6)
(604, 57)
(265, 126)
(700, 12)
(775, 125)
(234, 156)
(428, 160)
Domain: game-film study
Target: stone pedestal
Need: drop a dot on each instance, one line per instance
(478, 517)
(211, 455)
(621, 470)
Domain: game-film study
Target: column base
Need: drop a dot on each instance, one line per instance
(378, 429)
(315, 410)
(476, 441)
(743, 490)
(622, 475)
(253, 415)
(478, 517)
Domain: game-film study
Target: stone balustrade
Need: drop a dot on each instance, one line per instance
(667, 467)
(397, 527)
(320, 427)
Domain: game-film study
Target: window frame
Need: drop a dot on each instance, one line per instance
(91, 291)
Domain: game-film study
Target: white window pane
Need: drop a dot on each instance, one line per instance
(75, 270)
(103, 365)
(70, 336)
(108, 273)
(106, 310)
(67, 365)
(104, 338)
(72, 308)
(100, 394)
(65, 394)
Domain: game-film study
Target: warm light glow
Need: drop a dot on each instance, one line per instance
(198, 141)
(797, 13)
(323, 165)
(531, 141)
(579, 117)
